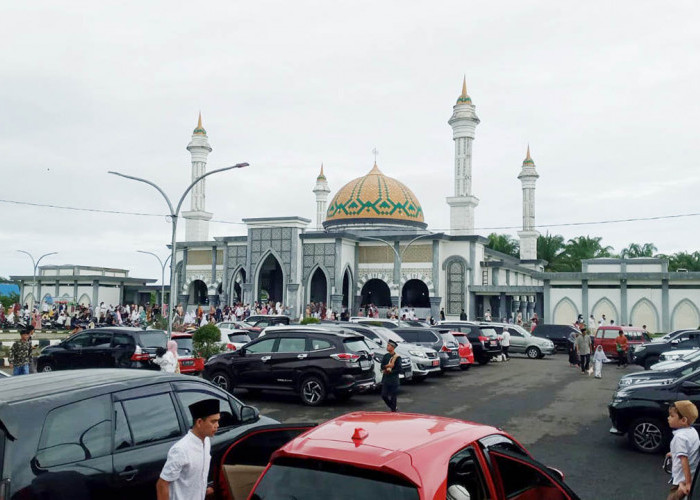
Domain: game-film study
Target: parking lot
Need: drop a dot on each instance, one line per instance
(557, 413)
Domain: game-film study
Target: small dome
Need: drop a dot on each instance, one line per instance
(374, 198)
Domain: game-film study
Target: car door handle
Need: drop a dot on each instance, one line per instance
(301, 356)
(265, 358)
(128, 474)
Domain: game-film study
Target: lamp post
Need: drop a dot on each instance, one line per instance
(399, 256)
(174, 214)
(36, 265)
(162, 277)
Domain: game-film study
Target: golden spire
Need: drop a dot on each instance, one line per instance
(199, 121)
(464, 88)
(321, 175)
(199, 130)
(528, 158)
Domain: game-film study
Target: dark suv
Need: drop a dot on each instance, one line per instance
(117, 347)
(558, 334)
(648, 354)
(439, 339)
(484, 339)
(308, 361)
(103, 433)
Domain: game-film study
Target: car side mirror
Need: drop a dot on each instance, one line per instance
(249, 414)
(675, 342)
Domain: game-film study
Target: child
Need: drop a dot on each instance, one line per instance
(598, 359)
(684, 447)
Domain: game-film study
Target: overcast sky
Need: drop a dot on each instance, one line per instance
(606, 94)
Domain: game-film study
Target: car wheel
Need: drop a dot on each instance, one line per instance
(533, 352)
(312, 391)
(652, 360)
(648, 435)
(464, 367)
(48, 367)
(222, 380)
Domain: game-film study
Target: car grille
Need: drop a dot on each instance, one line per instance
(431, 355)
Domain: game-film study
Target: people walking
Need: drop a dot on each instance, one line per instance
(573, 355)
(583, 347)
(621, 346)
(21, 352)
(391, 368)
(505, 343)
(599, 358)
(184, 475)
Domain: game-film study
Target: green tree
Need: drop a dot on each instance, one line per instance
(310, 320)
(205, 341)
(684, 260)
(9, 300)
(581, 248)
(636, 250)
(550, 248)
(504, 243)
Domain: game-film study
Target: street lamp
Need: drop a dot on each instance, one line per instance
(174, 214)
(162, 278)
(399, 257)
(35, 264)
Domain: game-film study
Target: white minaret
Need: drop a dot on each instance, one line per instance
(528, 236)
(321, 190)
(462, 204)
(197, 219)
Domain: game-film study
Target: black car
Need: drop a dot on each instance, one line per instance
(558, 334)
(648, 354)
(438, 338)
(641, 410)
(118, 347)
(104, 433)
(311, 362)
(484, 340)
(665, 376)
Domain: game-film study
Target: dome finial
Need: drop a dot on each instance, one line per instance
(528, 158)
(199, 130)
(321, 176)
(464, 97)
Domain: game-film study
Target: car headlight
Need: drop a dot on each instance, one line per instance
(627, 381)
(639, 348)
(418, 354)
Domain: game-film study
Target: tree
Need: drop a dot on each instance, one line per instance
(504, 243)
(205, 341)
(636, 250)
(684, 260)
(581, 248)
(550, 248)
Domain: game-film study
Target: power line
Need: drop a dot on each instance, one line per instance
(563, 224)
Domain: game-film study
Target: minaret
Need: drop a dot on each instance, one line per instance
(197, 219)
(528, 236)
(462, 204)
(321, 190)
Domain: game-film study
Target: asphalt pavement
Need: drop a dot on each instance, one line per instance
(557, 413)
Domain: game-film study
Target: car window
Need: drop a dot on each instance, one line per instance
(462, 339)
(122, 434)
(184, 346)
(288, 344)
(449, 339)
(518, 478)
(152, 338)
(264, 345)
(151, 418)
(122, 339)
(464, 473)
(80, 340)
(76, 432)
(427, 336)
(407, 335)
(100, 339)
(319, 344)
(229, 418)
(609, 334)
(357, 345)
(514, 333)
(238, 338)
(488, 332)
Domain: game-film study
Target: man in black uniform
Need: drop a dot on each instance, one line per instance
(391, 368)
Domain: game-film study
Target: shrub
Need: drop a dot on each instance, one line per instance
(310, 321)
(205, 341)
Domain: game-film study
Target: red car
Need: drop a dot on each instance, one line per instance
(606, 335)
(189, 363)
(466, 353)
(397, 456)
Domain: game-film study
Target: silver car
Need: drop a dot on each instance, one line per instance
(522, 341)
(424, 360)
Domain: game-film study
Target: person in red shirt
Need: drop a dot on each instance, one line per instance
(621, 345)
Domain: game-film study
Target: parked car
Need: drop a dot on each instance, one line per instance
(659, 376)
(522, 341)
(4, 375)
(671, 335)
(606, 335)
(386, 323)
(466, 353)
(252, 331)
(308, 361)
(640, 411)
(397, 456)
(484, 339)
(117, 347)
(558, 334)
(190, 363)
(648, 354)
(104, 433)
(671, 359)
(264, 320)
(439, 339)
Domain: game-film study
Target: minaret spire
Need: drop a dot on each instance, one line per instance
(464, 87)
(197, 218)
(321, 190)
(528, 236)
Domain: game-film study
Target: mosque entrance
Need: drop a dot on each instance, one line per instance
(318, 291)
(237, 291)
(376, 292)
(198, 293)
(270, 280)
(346, 289)
(415, 294)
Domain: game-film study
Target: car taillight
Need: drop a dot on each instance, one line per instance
(139, 355)
(444, 348)
(346, 356)
(483, 339)
(230, 347)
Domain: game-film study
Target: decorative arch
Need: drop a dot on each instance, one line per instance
(194, 277)
(29, 299)
(84, 300)
(605, 306)
(258, 268)
(406, 277)
(457, 258)
(376, 291)
(685, 315)
(346, 288)
(310, 279)
(455, 268)
(565, 312)
(234, 281)
(385, 277)
(644, 312)
(415, 293)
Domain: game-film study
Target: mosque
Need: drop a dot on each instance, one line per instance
(370, 244)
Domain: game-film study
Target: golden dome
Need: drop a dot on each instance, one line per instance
(374, 198)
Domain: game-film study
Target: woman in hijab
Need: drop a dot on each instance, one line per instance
(573, 357)
(598, 359)
(167, 359)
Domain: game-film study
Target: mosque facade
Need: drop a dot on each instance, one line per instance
(370, 244)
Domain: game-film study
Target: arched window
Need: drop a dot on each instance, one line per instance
(455, 287)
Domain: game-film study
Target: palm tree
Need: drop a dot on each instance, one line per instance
(504, 243)
(684, 260)
(580, 248)
(549, 248)
(637, 250)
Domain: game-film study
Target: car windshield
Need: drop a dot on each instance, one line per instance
(449, 338)
(184, 346)
(489, 332)
(318, 480)
(153, 338)
(357, 344)
(388, 334)
(462, 339)
(238, 338)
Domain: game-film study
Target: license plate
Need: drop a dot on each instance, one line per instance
(365, 364)
(187, 363)
(436, 362)
(492, 343)
(464, 360)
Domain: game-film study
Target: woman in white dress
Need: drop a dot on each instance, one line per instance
(167, 359)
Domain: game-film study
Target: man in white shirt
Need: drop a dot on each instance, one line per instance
(505, 343)
(184, 475)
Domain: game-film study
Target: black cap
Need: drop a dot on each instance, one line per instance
(27, 330)
(392, 343)
(204, 408)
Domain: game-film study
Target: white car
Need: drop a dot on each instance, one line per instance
(424, 360)
(674, 360)
(232, 340)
